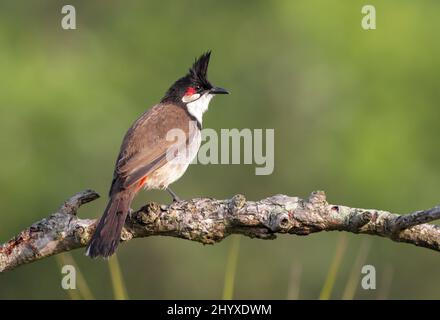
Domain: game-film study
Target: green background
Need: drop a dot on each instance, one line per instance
(355, 113)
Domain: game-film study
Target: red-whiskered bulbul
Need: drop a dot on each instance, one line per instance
(144, 160)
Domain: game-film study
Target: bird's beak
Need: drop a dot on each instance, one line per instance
(218, 90)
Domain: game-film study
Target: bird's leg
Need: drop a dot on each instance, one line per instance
(176, 198)
(130, 212)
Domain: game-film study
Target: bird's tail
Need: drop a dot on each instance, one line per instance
(107, 234)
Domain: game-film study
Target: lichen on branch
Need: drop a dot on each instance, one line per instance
(208, 221)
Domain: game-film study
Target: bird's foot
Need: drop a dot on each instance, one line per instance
(130, 213)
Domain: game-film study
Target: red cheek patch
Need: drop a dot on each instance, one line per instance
(190, 91)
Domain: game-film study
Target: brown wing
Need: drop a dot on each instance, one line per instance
(145, 145)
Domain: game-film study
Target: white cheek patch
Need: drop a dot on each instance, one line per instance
(190, 98)
(198, 107)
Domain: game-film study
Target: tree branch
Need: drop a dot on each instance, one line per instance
(209, 221)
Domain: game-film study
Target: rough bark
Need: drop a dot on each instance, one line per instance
(209, 221)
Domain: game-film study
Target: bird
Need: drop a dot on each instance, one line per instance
(145, 160)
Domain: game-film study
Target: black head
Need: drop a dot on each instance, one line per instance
(194, 82)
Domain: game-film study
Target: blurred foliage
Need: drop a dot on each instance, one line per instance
(355, 114)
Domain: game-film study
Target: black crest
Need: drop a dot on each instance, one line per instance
(196, 77)
(199, 70)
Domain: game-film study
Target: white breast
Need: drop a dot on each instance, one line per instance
(198, 107)
(173, 170)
